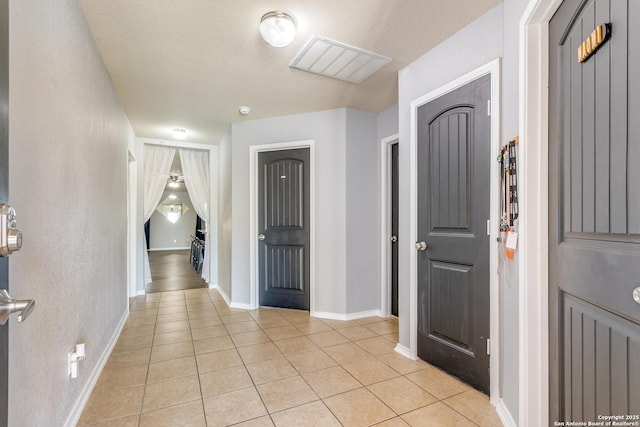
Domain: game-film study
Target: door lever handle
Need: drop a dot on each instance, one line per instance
(9, 306)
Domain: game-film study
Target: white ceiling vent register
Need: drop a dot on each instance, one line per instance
(337, 60)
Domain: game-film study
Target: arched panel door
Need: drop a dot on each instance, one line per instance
(284, 232)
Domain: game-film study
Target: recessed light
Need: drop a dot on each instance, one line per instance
(277, 28)
(179, 133)
(173, 196)
(244, 110)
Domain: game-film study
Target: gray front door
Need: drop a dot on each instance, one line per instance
(453, 209)
(283, 224)
(594, 213)
(4, 196)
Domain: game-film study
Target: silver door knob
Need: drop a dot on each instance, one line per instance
(394, 239)
(261, 236)
(421, 246)
(636, 294)
(9, 306)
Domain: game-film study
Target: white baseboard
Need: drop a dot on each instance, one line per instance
(78, 407)
(224, 296)
(403, 351)
(182, 248)
(240, 305)
(505, 415)
(142, 293)
(346, 316)
(213, 286)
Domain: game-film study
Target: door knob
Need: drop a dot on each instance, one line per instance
(421, 246)
(9, 306)
(636, 294)
(261, 236)
(394, 239)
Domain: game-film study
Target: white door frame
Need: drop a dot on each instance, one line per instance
(132, 209)
(534, 215)
(385, 227)
(212, 226)
(254, 151)
(493, 69)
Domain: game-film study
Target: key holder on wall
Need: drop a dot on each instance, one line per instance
(508, 197)
(508, 184)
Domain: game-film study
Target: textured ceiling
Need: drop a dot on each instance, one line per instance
(192, 63)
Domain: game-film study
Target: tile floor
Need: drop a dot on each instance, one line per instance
(186, 359)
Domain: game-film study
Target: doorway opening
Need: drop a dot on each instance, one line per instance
(210, 197)
(389, 147)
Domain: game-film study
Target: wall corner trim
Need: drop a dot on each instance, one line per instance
(78, 407)
(224, 296)
(241, 305)
(404, 351)
(505, 415)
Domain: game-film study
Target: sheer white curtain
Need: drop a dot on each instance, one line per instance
(157, 166)
(195, 168)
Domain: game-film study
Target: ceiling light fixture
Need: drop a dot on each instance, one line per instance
(179, 133)
(244, 110)
(277, 28)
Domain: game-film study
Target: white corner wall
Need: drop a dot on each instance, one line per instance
(327, 129)
(363, 210)
(475, 45)
(224, 214)
(68, 182)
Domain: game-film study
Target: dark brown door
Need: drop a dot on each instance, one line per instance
(594, 213)
(394, 229)
(4, 197)
(284, 237)
(453, 209)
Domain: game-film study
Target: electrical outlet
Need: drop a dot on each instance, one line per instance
(74, 358)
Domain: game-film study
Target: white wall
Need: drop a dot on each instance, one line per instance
(166, 235)
(388, 122)
(68, 171)
(513, 10)
(363, 206)
(473, 46)
(224, 214)
(327, 129)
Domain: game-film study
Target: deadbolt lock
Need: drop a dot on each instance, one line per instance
(10, 235)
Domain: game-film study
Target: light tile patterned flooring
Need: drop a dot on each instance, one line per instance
(185, 358)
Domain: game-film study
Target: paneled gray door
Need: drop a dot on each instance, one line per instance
(394, 228)
(594, 212)
(284, 237)
(4, 196)
(453, 209)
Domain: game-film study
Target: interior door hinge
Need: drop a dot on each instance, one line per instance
(489, 346)
(488, 107)
(488, 227)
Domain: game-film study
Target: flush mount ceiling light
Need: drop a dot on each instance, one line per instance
(277, 28)
(179, 133)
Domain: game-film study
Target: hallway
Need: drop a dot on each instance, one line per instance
(171, 271)
(185, 358)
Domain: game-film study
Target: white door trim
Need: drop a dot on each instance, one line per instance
(492, 68)
(385, 228)
(254, 150)
(534, 217)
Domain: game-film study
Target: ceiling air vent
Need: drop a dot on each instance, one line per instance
(337, 60)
